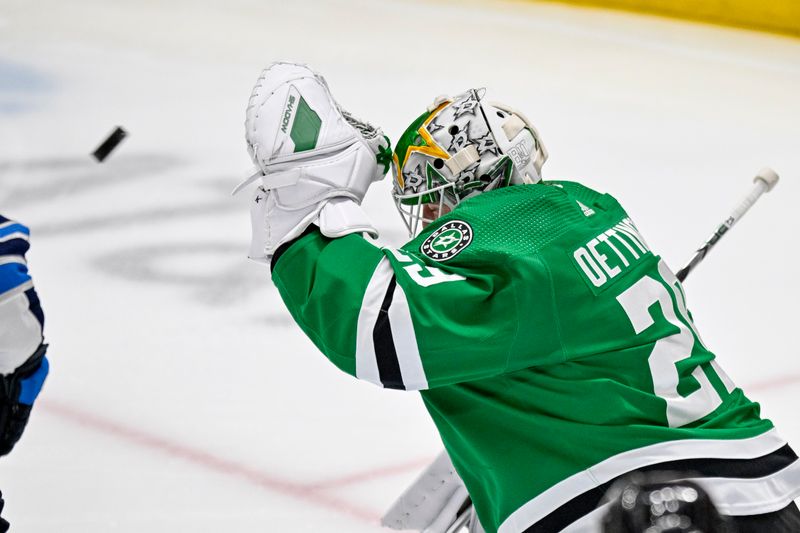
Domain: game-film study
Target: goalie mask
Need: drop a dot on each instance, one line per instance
(461, 147)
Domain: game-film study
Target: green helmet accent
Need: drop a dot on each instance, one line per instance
(410, 137)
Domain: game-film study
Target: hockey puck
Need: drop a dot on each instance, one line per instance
(111, 142)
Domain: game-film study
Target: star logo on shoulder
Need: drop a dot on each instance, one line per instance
(447, 241)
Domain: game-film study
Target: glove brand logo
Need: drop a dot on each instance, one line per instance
(287, 113)
(447, 241)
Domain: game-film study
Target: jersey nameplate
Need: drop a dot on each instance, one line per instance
(610, 254)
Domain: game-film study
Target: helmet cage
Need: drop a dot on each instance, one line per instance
(443, 192)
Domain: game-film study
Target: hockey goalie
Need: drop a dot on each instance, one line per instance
(551, 346)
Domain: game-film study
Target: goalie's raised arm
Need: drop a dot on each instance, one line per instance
(395, 321)
(391, 317)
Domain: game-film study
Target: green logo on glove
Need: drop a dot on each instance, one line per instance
(306, 127)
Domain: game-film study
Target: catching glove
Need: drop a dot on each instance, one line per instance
(315, 161)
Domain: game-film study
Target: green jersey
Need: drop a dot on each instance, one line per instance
(552, 348)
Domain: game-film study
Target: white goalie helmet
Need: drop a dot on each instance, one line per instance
(460, 147)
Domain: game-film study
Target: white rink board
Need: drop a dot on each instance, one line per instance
(182, 397)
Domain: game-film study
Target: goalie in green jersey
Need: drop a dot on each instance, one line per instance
(551, 346)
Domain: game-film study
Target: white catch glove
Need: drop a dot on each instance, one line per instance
(315, 161)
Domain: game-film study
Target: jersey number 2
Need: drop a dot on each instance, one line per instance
(669, 351)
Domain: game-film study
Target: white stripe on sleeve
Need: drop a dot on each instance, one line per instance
(15, 235)
(6, 259)
(366, 362)
(405, 342)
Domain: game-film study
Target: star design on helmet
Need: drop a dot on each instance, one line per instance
(467, 106)
(415, 179)
(486, 144)
(458, 141)
(468, 174)
(433, 126)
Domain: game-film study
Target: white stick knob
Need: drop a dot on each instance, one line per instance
(768, 176)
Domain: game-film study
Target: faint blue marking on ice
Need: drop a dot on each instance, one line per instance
(15, 77)
(20, 86)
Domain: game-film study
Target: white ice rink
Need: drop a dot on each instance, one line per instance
(182, 397)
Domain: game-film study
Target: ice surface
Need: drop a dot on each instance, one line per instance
(182, 397)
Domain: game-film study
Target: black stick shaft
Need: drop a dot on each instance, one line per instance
(765, 180)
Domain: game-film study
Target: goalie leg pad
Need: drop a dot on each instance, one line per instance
(433, 503)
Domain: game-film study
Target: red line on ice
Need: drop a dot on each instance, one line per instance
(370, 475)
(310, 493)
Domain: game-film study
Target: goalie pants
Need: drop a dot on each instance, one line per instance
(787, 520)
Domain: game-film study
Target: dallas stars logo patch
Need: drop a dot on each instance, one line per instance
(447, 241)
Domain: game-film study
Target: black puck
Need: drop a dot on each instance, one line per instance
(111, 142)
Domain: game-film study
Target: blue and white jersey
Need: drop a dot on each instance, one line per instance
(21, 317)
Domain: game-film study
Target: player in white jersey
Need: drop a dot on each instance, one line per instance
(23, 364)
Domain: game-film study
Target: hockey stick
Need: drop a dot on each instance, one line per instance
(764, 181)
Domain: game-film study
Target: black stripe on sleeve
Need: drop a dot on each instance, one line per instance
(385, 352)
(690, 468)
